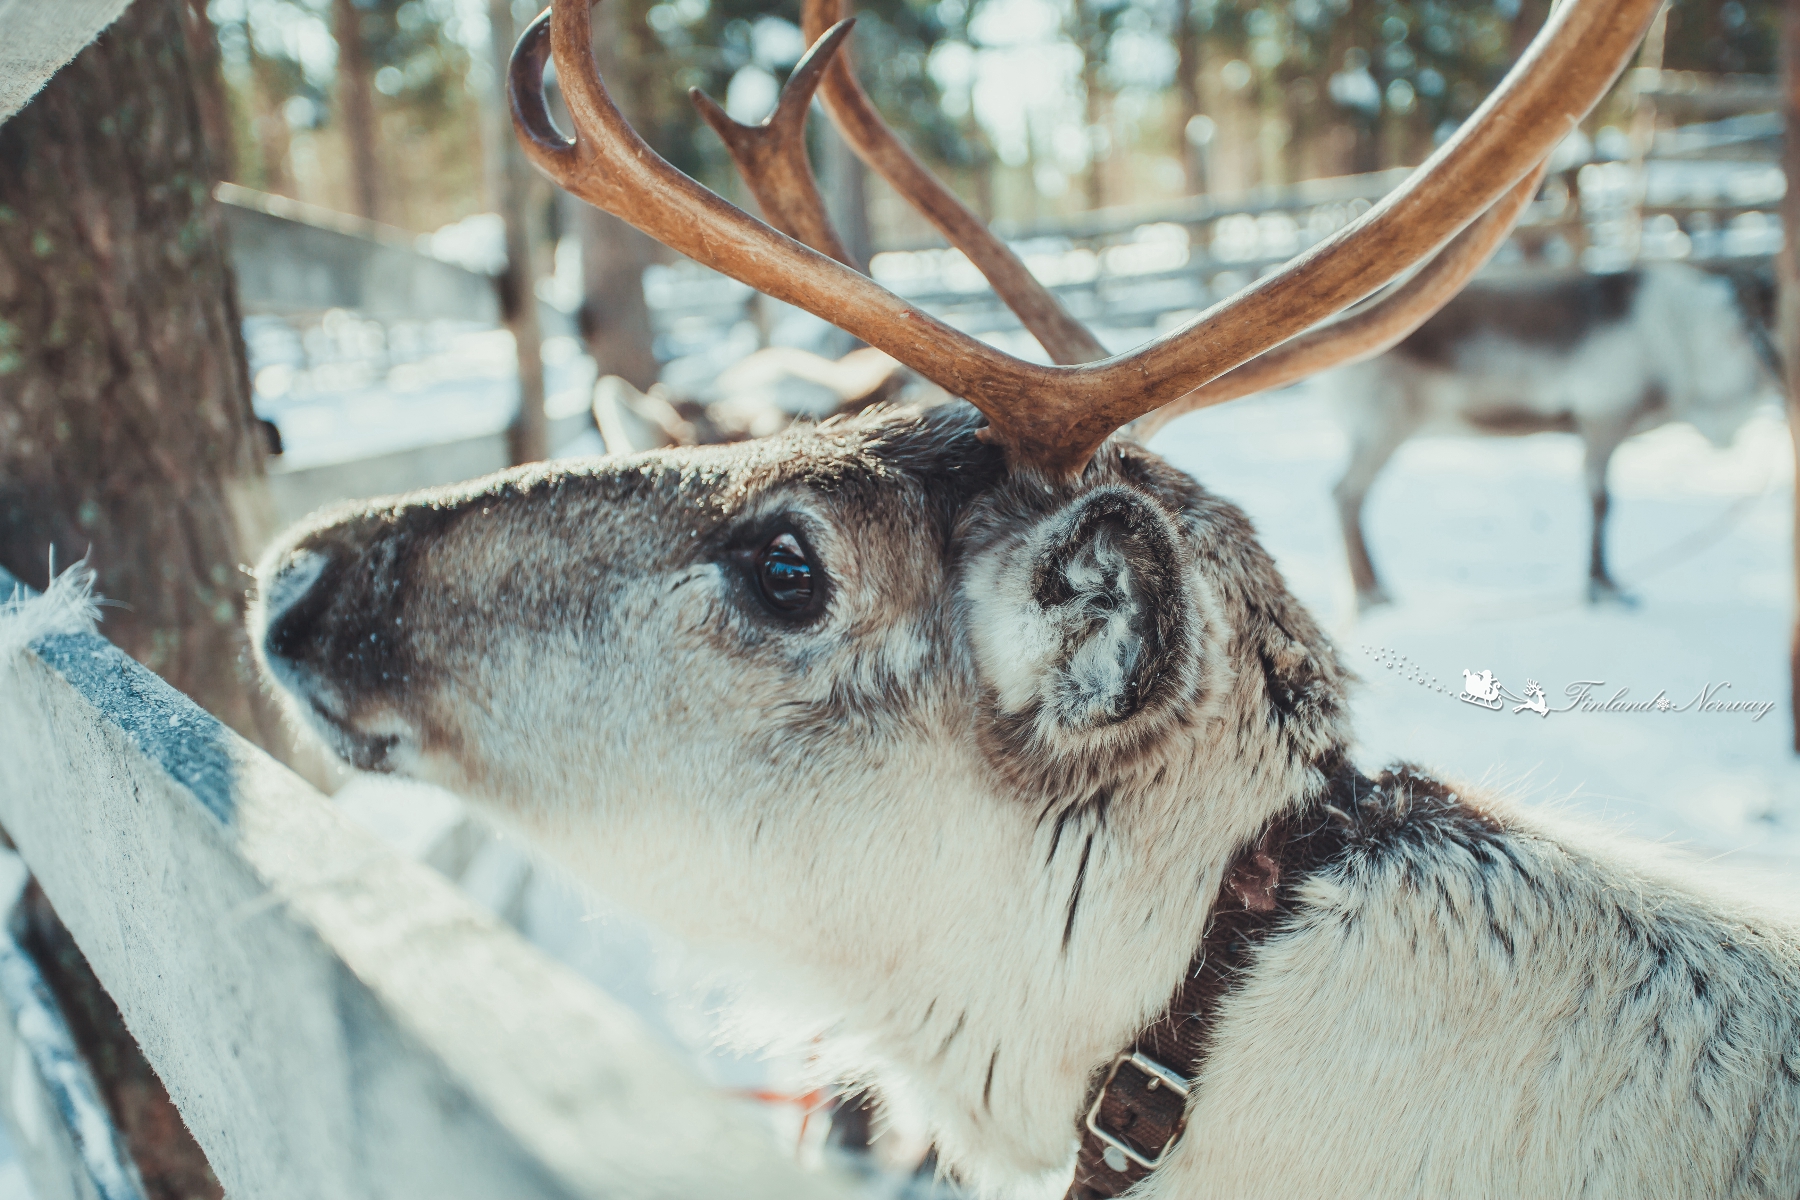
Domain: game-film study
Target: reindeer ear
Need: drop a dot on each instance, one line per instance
(1086, 623)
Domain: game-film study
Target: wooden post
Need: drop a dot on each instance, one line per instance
(845, 181)
(1789, 268)
(1187, 89)
(512, 188)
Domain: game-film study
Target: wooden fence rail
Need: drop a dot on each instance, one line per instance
(36, 39)
(295, 259)
(332, 1019)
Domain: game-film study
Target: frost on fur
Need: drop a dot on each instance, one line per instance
(66, 606)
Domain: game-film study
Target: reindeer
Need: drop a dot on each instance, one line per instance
(759, 395)
(1603, 357)
(998, 748)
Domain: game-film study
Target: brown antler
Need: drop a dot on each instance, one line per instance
(1052, 419)
(1370, 330)
(1063, 338)
(771, 157)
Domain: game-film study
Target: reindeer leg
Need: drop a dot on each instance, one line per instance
(1378, 427)
(1369, 592)
(1600, 444)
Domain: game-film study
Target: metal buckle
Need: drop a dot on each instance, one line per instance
(1160, 1076)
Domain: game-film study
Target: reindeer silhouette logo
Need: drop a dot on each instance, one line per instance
(1534, 699)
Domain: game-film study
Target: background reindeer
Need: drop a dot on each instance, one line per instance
(761, 395)
(1003, 749)
(1601, 356)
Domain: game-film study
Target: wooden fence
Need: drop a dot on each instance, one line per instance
(36, 39)
(333, 1020)
(292, 258)
(1139, 269)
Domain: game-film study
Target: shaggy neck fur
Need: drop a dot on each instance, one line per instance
(976, 953)
(981, 968)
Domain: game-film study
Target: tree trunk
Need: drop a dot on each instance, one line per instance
(845, 181)
(1187, 90)
(274, 138)
(1099, 135)
(356, 108)
(1789, 268)
(208, 67)
(126, 433)
(1087, 31)
(615, 318)
(528, 439)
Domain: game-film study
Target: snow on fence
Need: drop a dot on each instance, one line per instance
(331, 1018)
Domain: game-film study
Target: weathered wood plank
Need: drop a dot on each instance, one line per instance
(332, 1019)
(37, 39)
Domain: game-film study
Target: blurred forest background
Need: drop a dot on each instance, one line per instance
(1033, 109)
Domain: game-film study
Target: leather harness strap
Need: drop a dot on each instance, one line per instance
(1136, 1113)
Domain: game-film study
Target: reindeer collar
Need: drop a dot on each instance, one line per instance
(1138, 1108)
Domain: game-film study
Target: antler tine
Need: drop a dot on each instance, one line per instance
(610, 166)
(771, 156)
(1063, 338)
(1368, 331)
(1569, 65)
(544, 143)
(1050, 420)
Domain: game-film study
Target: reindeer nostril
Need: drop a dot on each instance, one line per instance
(295, 601)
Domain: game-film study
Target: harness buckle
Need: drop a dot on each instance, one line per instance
(1159, 1077)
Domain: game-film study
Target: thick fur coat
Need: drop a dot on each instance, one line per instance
(971, 808)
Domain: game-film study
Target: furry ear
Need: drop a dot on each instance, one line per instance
(1086, 627)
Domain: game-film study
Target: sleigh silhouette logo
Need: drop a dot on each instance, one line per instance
(1481, 689)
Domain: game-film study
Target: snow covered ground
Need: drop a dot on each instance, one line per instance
(377, 389)
(14, 1185)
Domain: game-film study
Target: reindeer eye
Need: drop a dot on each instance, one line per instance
(784, 576)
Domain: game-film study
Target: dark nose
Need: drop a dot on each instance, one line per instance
(295, 601)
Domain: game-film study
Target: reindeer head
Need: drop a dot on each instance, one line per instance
(783, 632)
(961, 710)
